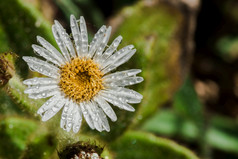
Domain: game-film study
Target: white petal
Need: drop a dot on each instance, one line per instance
(52, 49)
(60, 43)
(117, 55)
(42, 67)
(77, 118)
(64, 115)
(117, 102)
(76, 34)
(95, 118)
(121, 91)
(103, 44)
(97, 40)
(46, 54)
(52, 111)
(44, 94)
(48, 104)
(110, 49)
(119, 62)
(37, 61)
(103, 119)
(125, 82)
(40, 81)
(125, 96)
(84, 37)
(120, 75)
(69, 119)
(106, 108)
(128, 92)
(40, 88)
(66, 39)
(87, 115)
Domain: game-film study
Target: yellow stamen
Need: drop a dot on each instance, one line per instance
(81, 79)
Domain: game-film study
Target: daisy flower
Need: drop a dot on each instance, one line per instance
(79, 77)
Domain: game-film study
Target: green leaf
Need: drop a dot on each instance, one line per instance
(41, 146)
(81, 8)
(153, 35)
(187, 104)
(21, 23)
(171, 124)
(4, 40)
(227, 47)
(14, 132)
(222, 133)
(68, 7)
(141, 145)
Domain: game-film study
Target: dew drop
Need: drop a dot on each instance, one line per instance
(69, 125)
(85, 112)
(116, 43)
(54, 109)
(70, 118)
(131, 83)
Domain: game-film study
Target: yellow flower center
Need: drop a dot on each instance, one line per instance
(81, 79)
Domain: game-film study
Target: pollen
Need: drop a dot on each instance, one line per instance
(81, 79)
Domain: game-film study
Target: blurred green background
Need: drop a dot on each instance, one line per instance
(188, 53)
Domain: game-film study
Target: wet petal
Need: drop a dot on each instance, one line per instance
(87, 116)
(48, 104)
(97, 40)
(106, 108)
(110, 50)
(40, 81)
(65, 39)
(45, 94)
(42, 67)
(103, 44)
(52, 111)
(60, 43)
(51, 49)
(117, 102)
(84, 36)
(76, 34)
(77, 118)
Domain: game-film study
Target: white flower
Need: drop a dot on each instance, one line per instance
(79, 79)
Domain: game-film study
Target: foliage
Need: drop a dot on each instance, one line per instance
(157, 36)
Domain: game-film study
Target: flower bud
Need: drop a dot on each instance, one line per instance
(81, 150)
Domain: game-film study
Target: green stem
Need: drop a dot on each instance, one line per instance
(15, 89)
